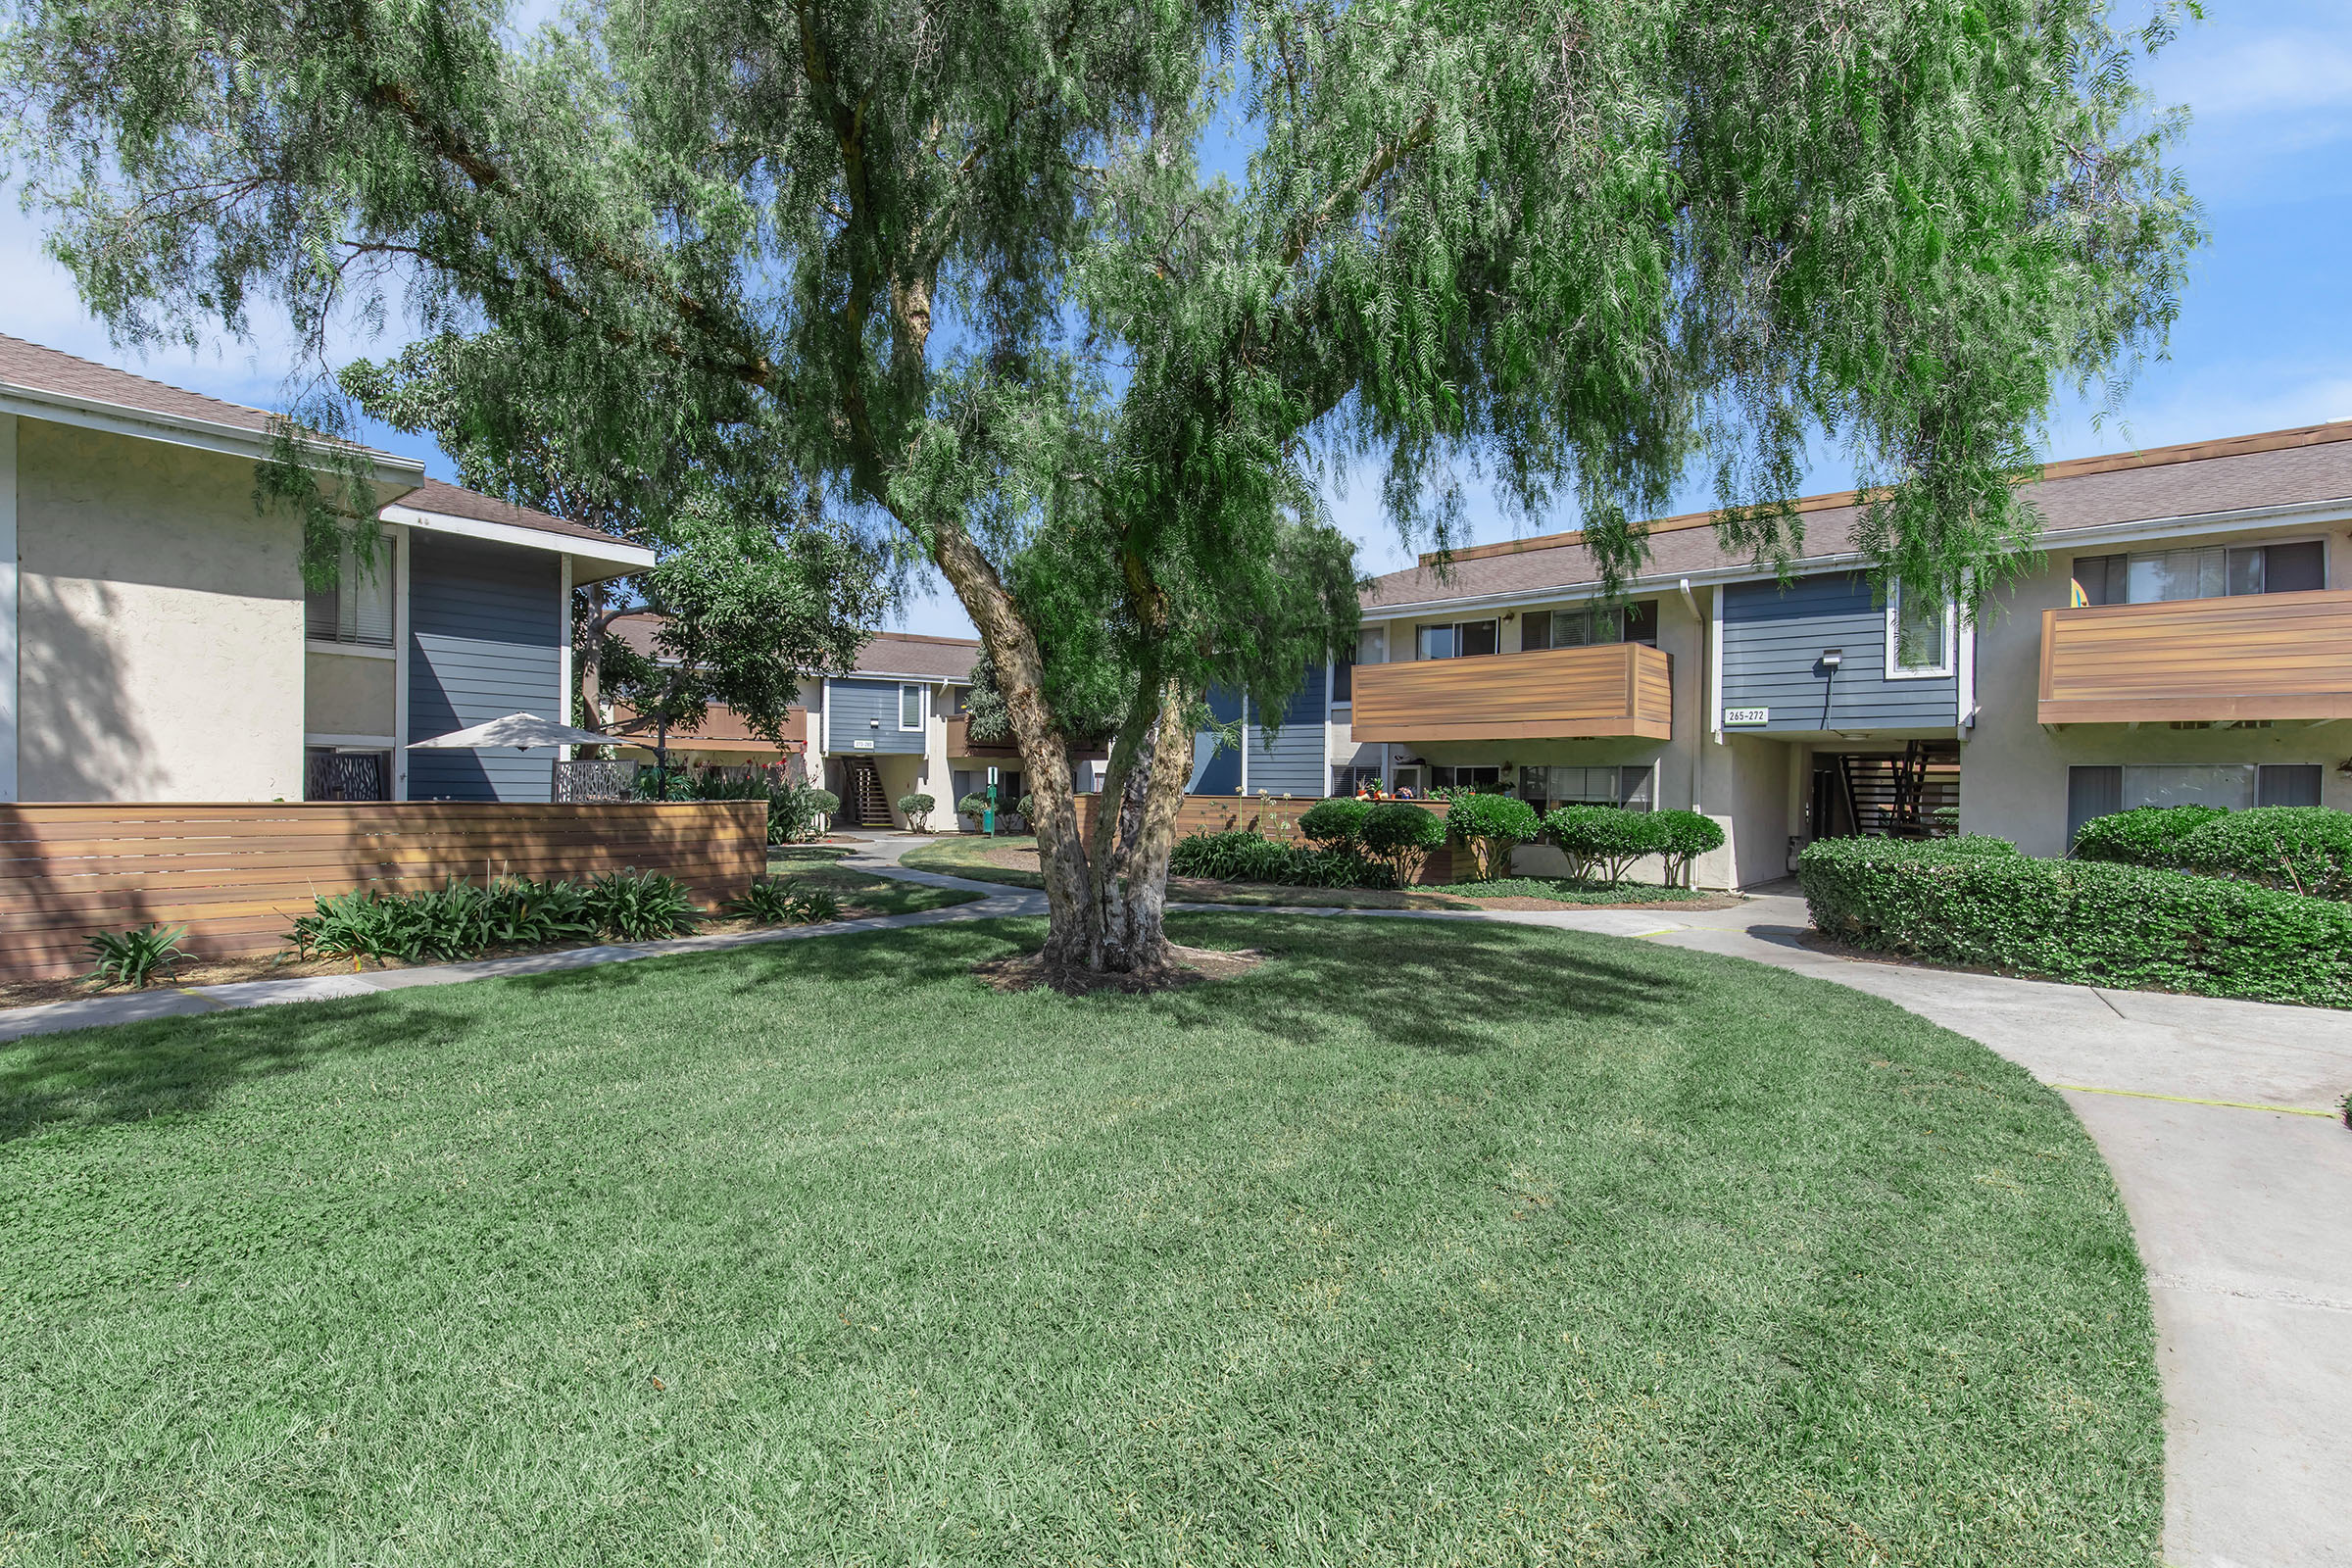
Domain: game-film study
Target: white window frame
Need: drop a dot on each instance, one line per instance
(905, 728)
(1952, 642)
(392, 574)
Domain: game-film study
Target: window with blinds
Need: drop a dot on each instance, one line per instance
(1587, 624)
(2207, 571)
(358, 609)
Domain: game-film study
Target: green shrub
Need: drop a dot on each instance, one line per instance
(918, 809)
(1979, 901)
(815, 906)
(793, 808)
(973, 805)
(2146, 835)
(1026, 811)
(1492, 826)
(1247, 857)
(764, 903)
(2302, 848)
(1605, 839)
(133, 958)
(1686, 836)
(1401, 835)
(633, 906)
(1333, 824)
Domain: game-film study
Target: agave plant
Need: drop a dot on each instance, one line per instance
(133, 958)
(815, 906)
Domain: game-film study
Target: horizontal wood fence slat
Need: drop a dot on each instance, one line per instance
(236, 874)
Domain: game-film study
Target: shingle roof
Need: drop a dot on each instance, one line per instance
(36, 368)
(899, 653)
(890, 652)
(51, 371)
(2307, 464)
(449, 500)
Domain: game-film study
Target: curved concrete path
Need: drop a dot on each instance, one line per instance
(2212, 1114)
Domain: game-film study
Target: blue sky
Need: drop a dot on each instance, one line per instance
(2264, 339)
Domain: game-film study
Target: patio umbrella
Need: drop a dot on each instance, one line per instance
(522, 731)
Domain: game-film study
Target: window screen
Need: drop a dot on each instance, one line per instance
(2207, 573)
(910, 707)
(1587, 624)
(1342, 679)
(1547, 787)
(2092, 791)
(1918, 634)
(358, 609)
(2287, 784)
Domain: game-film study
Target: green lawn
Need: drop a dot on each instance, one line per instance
(1456, 1245)
(1565, 890)
(962, 854)
(862, 893)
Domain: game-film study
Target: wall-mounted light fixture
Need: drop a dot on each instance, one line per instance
(1832, 658)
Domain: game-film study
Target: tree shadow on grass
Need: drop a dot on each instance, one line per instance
(169, 1066)
(1448, 988)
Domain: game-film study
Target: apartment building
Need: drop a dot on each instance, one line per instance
(156, 642)
(2186, 637)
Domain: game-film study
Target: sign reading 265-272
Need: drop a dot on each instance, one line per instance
(1748, 715)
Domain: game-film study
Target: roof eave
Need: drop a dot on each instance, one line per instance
(601, 558)
(399, 473)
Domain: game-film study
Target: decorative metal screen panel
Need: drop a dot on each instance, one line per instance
(346, 776)
(590, 778)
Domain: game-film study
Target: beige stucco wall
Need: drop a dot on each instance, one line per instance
(160, 622)
(348, 694)
(2013, 772)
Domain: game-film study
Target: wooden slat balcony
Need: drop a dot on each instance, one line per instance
(2257, 655)
(960, 744)
(1611, 689)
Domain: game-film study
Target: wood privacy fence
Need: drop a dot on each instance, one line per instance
(236, 875)
(1274, 816)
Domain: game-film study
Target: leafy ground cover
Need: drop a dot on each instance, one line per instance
(1496, 1245)
(862, 893)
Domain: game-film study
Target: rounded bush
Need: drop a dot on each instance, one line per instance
(1245, 856)
(1684, 836)
(1335, 824)
(918, 809)
(1606, 837)
(1493, 825)
(2303, 849)
(2146, 835)
(1401, 835)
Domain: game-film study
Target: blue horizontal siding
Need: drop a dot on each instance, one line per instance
(486, 631)
(1294, 763)
(857, 706)
(1772, 639)
(1218, 772)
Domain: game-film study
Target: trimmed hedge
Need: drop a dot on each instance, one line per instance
(2145, 835)
(1245, 856)
(1608, 837)
(1336, 823)
(1402, 836)
(1494, 826)
(1979, 901)
(2302, 848)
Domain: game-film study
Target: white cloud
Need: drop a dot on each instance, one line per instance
(2263, 76)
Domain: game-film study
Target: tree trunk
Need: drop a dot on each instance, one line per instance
(1104, 899)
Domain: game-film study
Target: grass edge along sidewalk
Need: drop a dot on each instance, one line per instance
(1661, 1254)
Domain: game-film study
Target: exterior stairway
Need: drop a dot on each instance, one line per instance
(864, 801)
(1914, 794)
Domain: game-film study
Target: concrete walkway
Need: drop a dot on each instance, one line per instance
(2212, 1115)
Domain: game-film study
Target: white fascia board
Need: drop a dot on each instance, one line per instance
(603, 559)
(2305, 514)
(397, 473)
(885, 674)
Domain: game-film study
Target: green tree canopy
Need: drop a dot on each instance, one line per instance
(967, 267)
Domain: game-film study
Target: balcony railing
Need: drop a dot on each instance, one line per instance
(1611, 689)
(2254, 656)
(962, 744)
